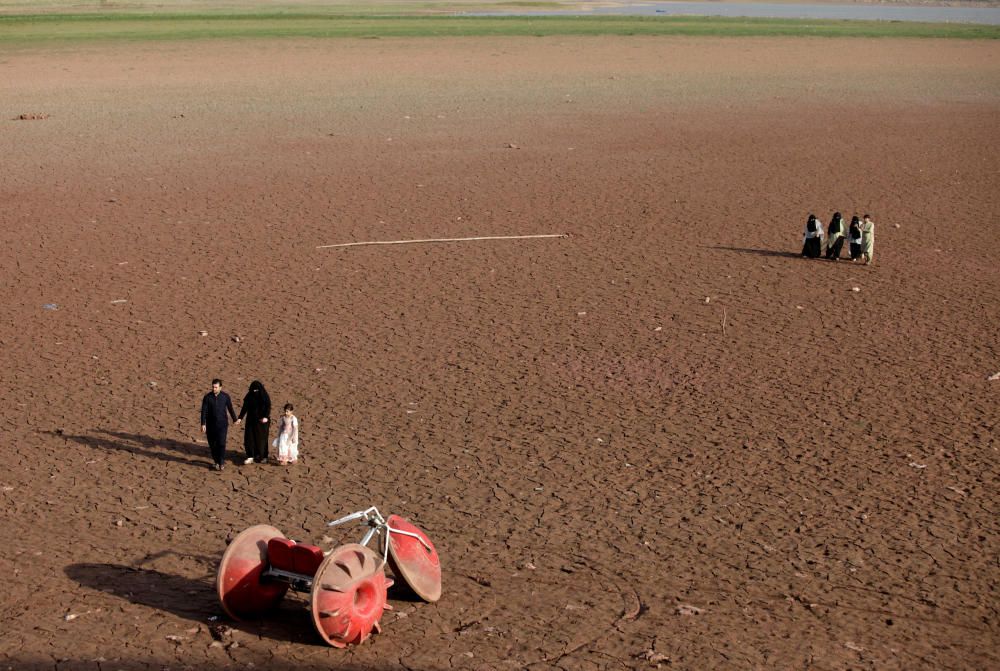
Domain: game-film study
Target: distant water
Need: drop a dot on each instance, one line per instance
(979, 15)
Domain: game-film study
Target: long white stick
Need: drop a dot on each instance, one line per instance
(408, 242)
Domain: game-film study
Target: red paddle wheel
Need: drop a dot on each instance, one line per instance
(413, 558)
(349, 595)
(242, 591)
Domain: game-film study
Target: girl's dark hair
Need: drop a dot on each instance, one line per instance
(288, 406)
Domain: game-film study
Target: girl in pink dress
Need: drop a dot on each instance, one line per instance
(287, 441)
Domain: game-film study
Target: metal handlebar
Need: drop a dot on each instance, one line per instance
(372, 518)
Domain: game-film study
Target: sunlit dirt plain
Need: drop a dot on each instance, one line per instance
(664, 440)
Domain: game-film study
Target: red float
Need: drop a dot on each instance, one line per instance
(347, 586)
(349, 595)
(416, 563)
(242, 592)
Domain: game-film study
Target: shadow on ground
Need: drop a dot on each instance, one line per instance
(759, 252)
(25, 662)
(193, 599)
(164, 449)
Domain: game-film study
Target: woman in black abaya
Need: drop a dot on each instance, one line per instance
(256, 408)
(835, 237)
(812, 238)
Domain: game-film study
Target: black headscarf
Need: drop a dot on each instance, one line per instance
(256, 404)
(836, 225)
(811, 223)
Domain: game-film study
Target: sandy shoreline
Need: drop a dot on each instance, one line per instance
(418, 6)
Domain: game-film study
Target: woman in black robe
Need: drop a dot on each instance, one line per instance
(256, 408)
(835, 237)
(855, 237)
(812, 245)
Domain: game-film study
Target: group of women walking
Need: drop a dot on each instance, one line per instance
(860, 234)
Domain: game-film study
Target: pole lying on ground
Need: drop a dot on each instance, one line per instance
(409, 242)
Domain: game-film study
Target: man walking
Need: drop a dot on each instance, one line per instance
(215, 423)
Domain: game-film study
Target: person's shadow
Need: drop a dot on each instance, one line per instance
(165, 449)
(759, 252)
